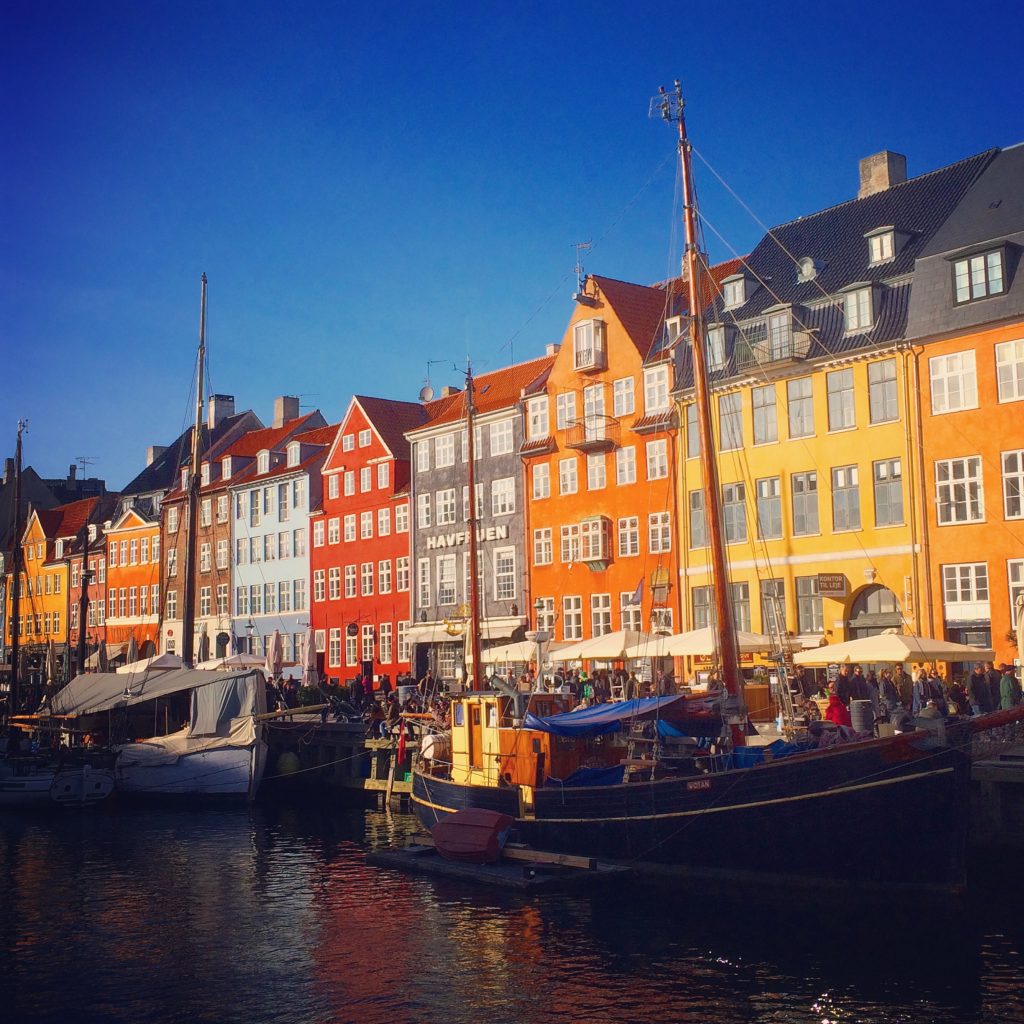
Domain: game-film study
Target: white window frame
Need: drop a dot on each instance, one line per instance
(541, 481)
(959, 482)
(1012, 466)
(624, 396)
(954, 382)
(1009, 356)
(656, 387)
(625, 465)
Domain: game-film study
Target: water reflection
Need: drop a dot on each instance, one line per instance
(271, 914)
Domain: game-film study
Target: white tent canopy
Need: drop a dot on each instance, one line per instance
(603, 648)
(232, 661)
(518, 653)
(892, 648)
(158, 661)
(698, 642)
(100, 691)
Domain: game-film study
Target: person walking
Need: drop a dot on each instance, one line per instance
(978, 691)
(1009, 688)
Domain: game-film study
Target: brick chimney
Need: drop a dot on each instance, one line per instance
(286, 407)
(153, 452)
(218, 409)
(881, 171)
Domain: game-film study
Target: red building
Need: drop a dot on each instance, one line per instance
(359, 556)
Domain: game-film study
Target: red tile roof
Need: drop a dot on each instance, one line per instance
(319, 435)
(251, 444)
(640, 309)
(391, 419)
(66, 520)
(495, 390)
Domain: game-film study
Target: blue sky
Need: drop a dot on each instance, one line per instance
(372, 186)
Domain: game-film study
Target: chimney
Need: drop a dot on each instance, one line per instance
(72, 472)
(448, 390)
(153, 452)
(286, 407)
(881, 171)
(219, 408)
(8, 470)
(552, 348)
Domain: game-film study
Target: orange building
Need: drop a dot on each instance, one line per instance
(967, 329)
(133, 583)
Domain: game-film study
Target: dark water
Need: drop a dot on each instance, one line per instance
(273, 915)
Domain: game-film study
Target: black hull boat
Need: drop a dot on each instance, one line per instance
(890, 813)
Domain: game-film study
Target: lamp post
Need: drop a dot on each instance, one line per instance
(539, 637)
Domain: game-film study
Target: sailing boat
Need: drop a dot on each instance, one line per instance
(607, 782)
(220, 750)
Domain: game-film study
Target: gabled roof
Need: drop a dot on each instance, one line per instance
(65, 520)
(639, 308)
(318, 435)
(499, 389)
(250, 444)
(392, 419)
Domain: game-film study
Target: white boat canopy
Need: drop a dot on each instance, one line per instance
(696, 643)
(91, 693)
(892, 648)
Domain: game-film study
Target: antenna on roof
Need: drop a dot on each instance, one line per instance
(581, 248)
(86, 460)
(427, 391)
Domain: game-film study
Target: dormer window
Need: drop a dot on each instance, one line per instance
(263, 462)
(734, 291)
(204, 473)
(859, 309)
(59, 552)
(673, 329)
(225, 468)
(184, 479)
(588, 345)
(294, 451)
(979, 276)
(92, 532)
(716, 348)
(881, 246)
(780, 335)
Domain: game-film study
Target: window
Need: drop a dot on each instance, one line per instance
(318, 533)
(542, 480)
(565, 409)
(319, 584)
(350, 581)
(334, 530)
(478, 511)
(734, 512)
(171, 606)
(334, 582)
(809, 614)
(769, 508)
(366, 579)
(659, 531)
(349, 528)
(172, 562)
(365, 479)
(888, 483)
(445, 506)
(364, 438)
(1013, 484)
(780, 335)
(384, 576)
(333, 486)
(478, 443)
(773, 607)
(112, 557)
(255, 550)
(716, 348)
(503, 496)
(254, 508)
(805, 504)
(542, 547)
(588, 345)
(569, 550)
(859, 310)
(978, 276)
(600, 614)
(739, 596)
(537, 417)
(965, 585)
(446, 580)
(422, 456)
(595, 542)
(597, 474)
(269, 547)
(766, 426)
(423, 518)
(698, 521)
(124, 552)
(734, 292)
(567, 482)
(383, 522)
(629, 536)
(1010, 370)
(263, 462)
(572, 618)
(839, 385)
(702, 616)
(502, 437)
(545, 609)
(801, 407)
(692, 432)
(444, 450)
(154, 556)
(384, 635)
(349, 480)
(205, 512)
(630, 614)
(730, 421)
(657, 459)
(880, 247)
(172, 525)
(423, 582)
(593, 412)
(299, 595)
(283, 506)
(223, 553)
(334, 648)
(959, 493)
(1015, 579)
(505, 574)
(655, 389)
(348, 444)
(954, 382)
(623, 400)
(845, 498)
(133, 552)
(403, 641)
(402, 518)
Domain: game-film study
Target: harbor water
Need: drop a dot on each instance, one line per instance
(271, 914)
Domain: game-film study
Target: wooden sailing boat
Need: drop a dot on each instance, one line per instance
(891, 811)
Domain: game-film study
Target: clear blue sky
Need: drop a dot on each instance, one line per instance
(372, 185)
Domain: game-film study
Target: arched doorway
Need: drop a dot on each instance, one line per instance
(874, 610)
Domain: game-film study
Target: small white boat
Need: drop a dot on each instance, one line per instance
(35, 782)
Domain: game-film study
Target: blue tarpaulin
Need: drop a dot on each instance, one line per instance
(599, 719)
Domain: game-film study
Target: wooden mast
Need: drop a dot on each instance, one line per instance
(672, 109)
(472, 521)
(16, 578)
(188, 625)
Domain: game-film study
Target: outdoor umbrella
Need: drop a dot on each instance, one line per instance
(696, 643)
(608, 647)
(275, 656)
(518, 653)
(133, 651)
(309, 672)
(204, 645)
(891, 648)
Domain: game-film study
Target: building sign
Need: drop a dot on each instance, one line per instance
(451, 540)
(831, 584)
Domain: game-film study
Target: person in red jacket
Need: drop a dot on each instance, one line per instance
(837, 711)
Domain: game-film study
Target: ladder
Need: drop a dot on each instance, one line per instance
(781, 657)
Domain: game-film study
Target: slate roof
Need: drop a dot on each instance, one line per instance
(834, 239)
(392, 419)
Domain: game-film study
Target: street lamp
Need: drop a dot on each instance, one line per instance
(539, 637)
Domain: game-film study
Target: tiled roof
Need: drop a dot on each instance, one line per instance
(252, 443)
(250, 475)
(66, 520)
(392, 419)
(498, 389)
(319, 435)
(537, 446)
(640, 309)
(656, 421)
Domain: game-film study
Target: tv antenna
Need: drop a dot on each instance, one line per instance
(86, 460)
(581, 248)
(427, 391)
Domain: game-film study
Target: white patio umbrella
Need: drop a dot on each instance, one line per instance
(310, 676)
(275, 655)
(232, 661)
(892, 648)
(609, 647)
(696, 643)
(519, 653)
(104, 661)
(51, 662)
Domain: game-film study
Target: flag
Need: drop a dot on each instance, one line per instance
(638, 595)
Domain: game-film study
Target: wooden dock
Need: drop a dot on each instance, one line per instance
(997, 799)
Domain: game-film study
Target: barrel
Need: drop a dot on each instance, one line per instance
(436, 747)
(862, 716)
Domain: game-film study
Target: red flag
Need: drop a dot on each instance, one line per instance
(401, 744)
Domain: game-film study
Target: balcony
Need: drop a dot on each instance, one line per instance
(596, 543)
(764, 350)
(595, 433)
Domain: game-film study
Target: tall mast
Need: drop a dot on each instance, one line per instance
(671, 106)
(83, 603)
(474, 576)
(188, 625)
(16, 575)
